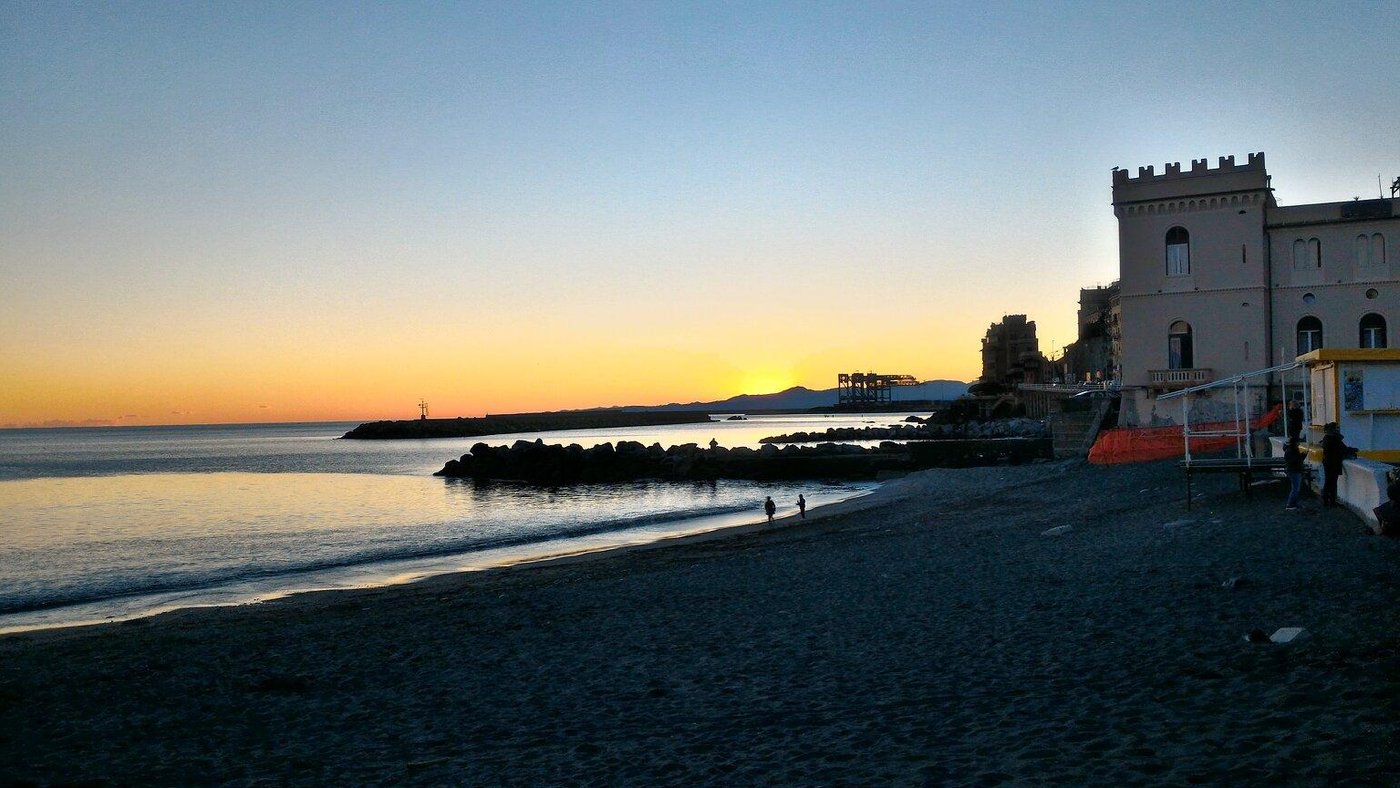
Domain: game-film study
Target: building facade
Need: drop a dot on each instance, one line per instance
(1091, 357)
(1011, 354)
(1217, 279)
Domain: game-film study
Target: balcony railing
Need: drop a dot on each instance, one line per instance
(1180, 378)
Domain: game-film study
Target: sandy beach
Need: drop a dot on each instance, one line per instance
(929, 634)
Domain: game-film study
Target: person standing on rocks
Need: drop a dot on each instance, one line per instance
(802, 506)
(1293, 466)
(769, 508)
(1334, 451)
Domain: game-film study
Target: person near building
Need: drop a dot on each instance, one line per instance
(1334, 452)
(1388, 513)
(1293, 466)
(1293, 420)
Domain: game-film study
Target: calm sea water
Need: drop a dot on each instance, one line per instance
(111, 523)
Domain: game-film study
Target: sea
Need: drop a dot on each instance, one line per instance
(109, 524)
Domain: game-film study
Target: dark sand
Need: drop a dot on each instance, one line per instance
(932, 637)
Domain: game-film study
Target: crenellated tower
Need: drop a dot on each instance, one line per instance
(1193, 273)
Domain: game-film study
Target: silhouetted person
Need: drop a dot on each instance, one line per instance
(713, 443)
(1334, 451)
(1293, 466)
(769, 508)
(802, 506)
(1388, 513)
(1293, 420)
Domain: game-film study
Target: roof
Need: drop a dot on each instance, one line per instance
(1333, 354)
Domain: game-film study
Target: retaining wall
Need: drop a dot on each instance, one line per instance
(1361, 488)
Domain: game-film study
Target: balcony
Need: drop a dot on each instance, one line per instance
(1179, 378)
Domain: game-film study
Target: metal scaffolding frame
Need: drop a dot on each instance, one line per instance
(1244, 463)
(868, 388)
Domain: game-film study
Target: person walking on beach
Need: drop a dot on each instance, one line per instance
(1334, 451)
(769, 508)
(802, 506)
(1293, 466)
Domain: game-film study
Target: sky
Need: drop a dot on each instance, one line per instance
(242, 212)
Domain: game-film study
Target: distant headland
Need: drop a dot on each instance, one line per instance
(521, 422)
(798, 399)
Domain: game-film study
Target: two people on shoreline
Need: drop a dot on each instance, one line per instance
(770, 508)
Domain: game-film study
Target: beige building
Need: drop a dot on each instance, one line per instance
(1091, 357)
(1217, 278)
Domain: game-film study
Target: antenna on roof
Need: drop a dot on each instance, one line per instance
(1395, 188)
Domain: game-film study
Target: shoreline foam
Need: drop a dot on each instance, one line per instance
(392, 572)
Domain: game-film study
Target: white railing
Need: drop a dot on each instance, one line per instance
(1180, 377)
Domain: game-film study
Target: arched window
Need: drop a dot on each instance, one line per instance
(1309, 334)
(1180, 354)
(1373, 330)
(1307, 254)
(1178, 252)
(1363, 250)
(1377, 249)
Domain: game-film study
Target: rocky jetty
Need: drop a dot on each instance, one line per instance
(540, 463)
(919, 429)
(521, 422)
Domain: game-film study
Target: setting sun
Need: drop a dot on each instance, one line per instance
(765, 381)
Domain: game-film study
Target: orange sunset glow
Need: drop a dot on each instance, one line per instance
(232, 216)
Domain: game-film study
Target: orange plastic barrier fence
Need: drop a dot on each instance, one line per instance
(1143, 444)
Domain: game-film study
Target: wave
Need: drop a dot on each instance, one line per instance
(90, 591)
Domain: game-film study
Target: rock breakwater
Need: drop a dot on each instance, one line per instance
(540, 463)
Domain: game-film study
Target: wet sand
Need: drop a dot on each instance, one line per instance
(926, 635)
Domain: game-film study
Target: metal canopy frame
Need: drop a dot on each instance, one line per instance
(1244, 448)
(1244, 462)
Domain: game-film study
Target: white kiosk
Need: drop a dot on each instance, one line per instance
(1359, 389)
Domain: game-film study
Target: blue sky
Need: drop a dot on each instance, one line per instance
(681, 200)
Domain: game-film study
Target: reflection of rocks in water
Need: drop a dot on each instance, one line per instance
(541, 463)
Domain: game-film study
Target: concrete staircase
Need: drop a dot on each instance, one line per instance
(1073, 432)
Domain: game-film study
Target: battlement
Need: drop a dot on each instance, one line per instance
(1199, 167)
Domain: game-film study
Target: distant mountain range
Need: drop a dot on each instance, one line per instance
(803, 398)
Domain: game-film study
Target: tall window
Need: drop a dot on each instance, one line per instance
(1180, 354)
(1178, 252)
(1370, 249)
(1309, 335)
(1373, 330)
(1307, 254)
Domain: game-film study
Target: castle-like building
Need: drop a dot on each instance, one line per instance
(1218, 279)
(1011, 354)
